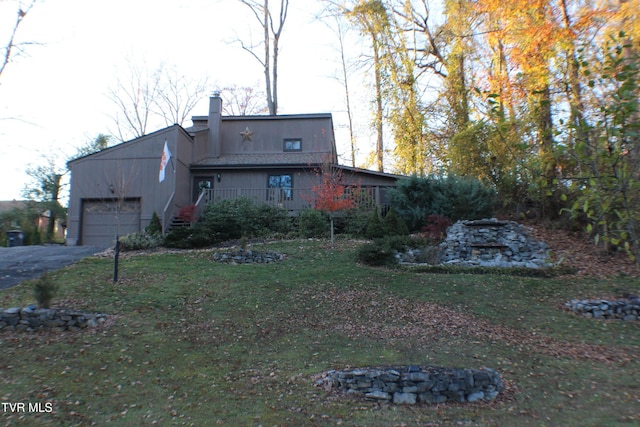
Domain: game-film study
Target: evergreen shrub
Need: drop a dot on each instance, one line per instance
(375, 254)
(155, 226)
(374, 229)
(229, 220)
(244, 218)
(416, 198)
(188, 237)
(394, 225)
(313, 223)
(44, 290)
(353, 222)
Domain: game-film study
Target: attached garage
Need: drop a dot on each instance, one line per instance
(103, 219)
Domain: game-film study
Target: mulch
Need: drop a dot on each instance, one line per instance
(579, 252)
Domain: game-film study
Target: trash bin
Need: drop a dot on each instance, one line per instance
(15, 238)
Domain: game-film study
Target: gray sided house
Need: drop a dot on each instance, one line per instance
(271, 159)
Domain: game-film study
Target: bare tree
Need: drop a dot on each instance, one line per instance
(340, 32)
(133, 96)
(145, 98)
(12, 47)
(177, 95)
(243, 101)
(272, 29)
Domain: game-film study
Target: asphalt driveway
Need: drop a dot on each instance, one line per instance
(28, 262)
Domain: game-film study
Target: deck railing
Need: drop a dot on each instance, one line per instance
(291, 199)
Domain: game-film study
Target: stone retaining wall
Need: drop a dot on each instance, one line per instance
(492, 243)
(32, 319)
(623, 309)
(245, 256)
(414, 384)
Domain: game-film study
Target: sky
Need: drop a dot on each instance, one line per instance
(53, 98)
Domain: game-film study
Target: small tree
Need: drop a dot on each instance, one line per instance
(331, 195)
(374, 228)
(393, 225)
(155, 226)
(44, 290)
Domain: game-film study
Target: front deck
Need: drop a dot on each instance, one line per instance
(293, 200)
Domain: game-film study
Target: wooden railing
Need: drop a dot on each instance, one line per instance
(168, 212)
(291, 199)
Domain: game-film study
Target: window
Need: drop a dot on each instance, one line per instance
(293, 145)
(279, 187)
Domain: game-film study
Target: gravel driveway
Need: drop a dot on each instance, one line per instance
(28, 262)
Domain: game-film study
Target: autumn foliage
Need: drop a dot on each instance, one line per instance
(331, 194)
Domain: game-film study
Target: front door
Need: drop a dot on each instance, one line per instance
(201, 183)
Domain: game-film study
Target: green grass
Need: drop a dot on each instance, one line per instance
(193, 342)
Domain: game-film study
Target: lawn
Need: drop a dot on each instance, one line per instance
(193, 342)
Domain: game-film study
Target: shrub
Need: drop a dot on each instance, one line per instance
(245, 218)
(436, 228)
(137, 241)
(374, 227)
(393, 225)
(375, 254)
(271, 220)
(312, 223)
(44, 290)
(155, 226)
(353, 222)
(416, 198)
(188, 214)
(188, 237)
(228, 220)
(382, 252)
(396, 243)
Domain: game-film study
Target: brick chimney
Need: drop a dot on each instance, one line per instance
(214, 122)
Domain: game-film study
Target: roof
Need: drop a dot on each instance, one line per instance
(266, 159)
(130, 142)
(268, 117)
(370, 172)
(7, 205)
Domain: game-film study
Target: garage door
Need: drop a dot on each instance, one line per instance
(101, 220)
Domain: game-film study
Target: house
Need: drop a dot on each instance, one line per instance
(29, 216)
(272, 159)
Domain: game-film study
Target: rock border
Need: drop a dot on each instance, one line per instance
(409, 385)
(247, 256)
(627, 309)
(32, 319)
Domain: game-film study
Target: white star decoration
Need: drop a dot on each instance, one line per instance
(247, 135)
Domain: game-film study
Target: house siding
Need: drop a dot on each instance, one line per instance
(269, 133)
(130, 171)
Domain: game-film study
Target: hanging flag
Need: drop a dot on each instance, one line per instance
(166, 155)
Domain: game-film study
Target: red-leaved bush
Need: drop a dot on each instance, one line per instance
(188, 214)
(436, 229)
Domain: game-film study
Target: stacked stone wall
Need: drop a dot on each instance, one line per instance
(622, 309)
(492, 243)
(414, 384)
(30, 319)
